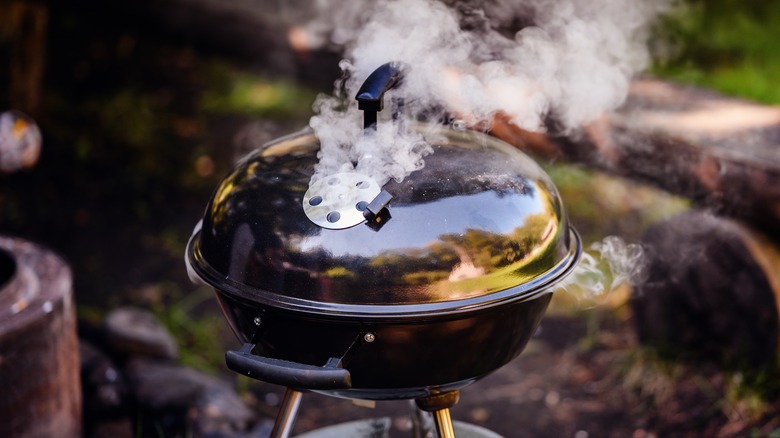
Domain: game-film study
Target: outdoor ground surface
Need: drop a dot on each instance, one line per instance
(138, 130)
(577, 381)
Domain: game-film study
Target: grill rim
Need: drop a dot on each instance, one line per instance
(528, 290)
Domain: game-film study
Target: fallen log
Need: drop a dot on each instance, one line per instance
(712, 292)
(723, 153)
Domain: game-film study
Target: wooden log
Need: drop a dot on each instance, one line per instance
(711, 292)
(723, 153)
(39, 363)
(23, 52)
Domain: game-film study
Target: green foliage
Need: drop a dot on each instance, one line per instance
(197, 334)
(128, 116)
(656, 378)
(631, 206)
(749, 390)
(727, 45)
(236, 92)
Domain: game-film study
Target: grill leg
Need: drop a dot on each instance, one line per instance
(443, 423)
(286, 416)
(440, 405)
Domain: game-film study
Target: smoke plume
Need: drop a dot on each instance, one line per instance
(539, 63)
(606, 265)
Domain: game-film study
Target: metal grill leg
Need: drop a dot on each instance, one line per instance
(440, 405)
(285, 419)
(444, 423)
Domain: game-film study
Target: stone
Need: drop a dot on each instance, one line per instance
(219, 410)
(103, 385)
(136, 332)
(710, 292)
(162, 385)
(212, 406)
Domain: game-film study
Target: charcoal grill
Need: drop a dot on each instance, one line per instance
(404, 290)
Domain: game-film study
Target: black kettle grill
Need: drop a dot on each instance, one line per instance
(409, 290)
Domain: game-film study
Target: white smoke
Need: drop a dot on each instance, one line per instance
(627, 262)
(388, 152)
(605, 266)
(570, 61)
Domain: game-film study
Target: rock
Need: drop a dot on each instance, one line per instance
(158, 395)
(104, 391)
(138, 333)
(712, 291)
(219, 411)
(212, 406)
(20, 141)
(159, 386)
(103, 385)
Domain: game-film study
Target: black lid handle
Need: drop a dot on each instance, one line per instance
(371, 93)
(286, 373)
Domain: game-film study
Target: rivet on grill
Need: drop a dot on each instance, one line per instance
(369, 337)
(258, 320)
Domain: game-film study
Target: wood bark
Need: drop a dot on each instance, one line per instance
(23, 52)
(722, 153)
(39, 361)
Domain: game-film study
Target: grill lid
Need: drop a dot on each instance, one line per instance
(479, 225)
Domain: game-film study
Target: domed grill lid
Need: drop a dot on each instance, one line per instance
(480, 224)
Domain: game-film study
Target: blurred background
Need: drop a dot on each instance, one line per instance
(143, 106)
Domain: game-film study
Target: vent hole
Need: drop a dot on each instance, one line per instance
(363, 185)
(315, 200)
(333, 217)
(361, 206)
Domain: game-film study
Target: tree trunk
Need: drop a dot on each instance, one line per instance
(23, 52)
(39, 364)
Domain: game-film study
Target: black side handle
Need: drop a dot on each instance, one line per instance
(370, 97)
(286, 373)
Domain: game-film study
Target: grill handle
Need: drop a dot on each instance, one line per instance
(286, 373)
(370, 97)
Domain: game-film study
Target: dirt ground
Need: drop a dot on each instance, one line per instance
(581, 376)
